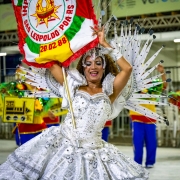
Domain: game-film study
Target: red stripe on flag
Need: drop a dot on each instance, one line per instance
(43, 65)
(85, 9)
(21, 32)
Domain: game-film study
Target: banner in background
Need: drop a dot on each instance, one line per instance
(7, 18)
(123, 8)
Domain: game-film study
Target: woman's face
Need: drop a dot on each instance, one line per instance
(94, 69)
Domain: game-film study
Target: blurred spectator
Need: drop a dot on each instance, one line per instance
(106, 130)
(144, 131)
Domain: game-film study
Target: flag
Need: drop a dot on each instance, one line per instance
(54, 30)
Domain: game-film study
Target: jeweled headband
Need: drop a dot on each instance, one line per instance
(94, 53)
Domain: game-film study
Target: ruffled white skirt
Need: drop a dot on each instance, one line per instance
(51, 156)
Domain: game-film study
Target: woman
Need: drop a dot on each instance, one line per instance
(67, 153)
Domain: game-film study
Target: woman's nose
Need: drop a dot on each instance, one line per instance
(93, 65)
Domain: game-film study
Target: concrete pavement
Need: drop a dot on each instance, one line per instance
(167, 166)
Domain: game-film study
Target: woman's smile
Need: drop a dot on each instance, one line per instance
(93, 73)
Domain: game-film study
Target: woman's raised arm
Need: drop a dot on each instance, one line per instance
(122, 78)
(56, 71)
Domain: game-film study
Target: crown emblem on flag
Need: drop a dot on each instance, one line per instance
(47, 13)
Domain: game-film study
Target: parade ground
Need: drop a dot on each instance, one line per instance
(167, 166)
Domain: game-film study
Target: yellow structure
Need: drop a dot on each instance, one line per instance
(19, 110)
(56, 108)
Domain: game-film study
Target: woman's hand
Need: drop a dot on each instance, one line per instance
(56, 71)
(101, 35)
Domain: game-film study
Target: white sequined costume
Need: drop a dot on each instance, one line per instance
(54, 155)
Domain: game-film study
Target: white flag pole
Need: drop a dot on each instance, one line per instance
(70, 102)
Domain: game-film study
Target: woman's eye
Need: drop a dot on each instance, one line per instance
(88, 63)
(99, 63)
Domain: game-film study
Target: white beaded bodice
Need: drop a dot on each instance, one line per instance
(90, 113)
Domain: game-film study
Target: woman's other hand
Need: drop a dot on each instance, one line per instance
(101, 35)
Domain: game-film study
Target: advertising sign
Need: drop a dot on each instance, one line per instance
(124, 8)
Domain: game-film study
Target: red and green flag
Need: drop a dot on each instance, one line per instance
(54, 30)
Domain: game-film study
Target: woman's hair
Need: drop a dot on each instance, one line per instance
(110, 66)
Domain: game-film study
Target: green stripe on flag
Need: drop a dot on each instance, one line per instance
(35, 48)
(74, 28)
(18, 2)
